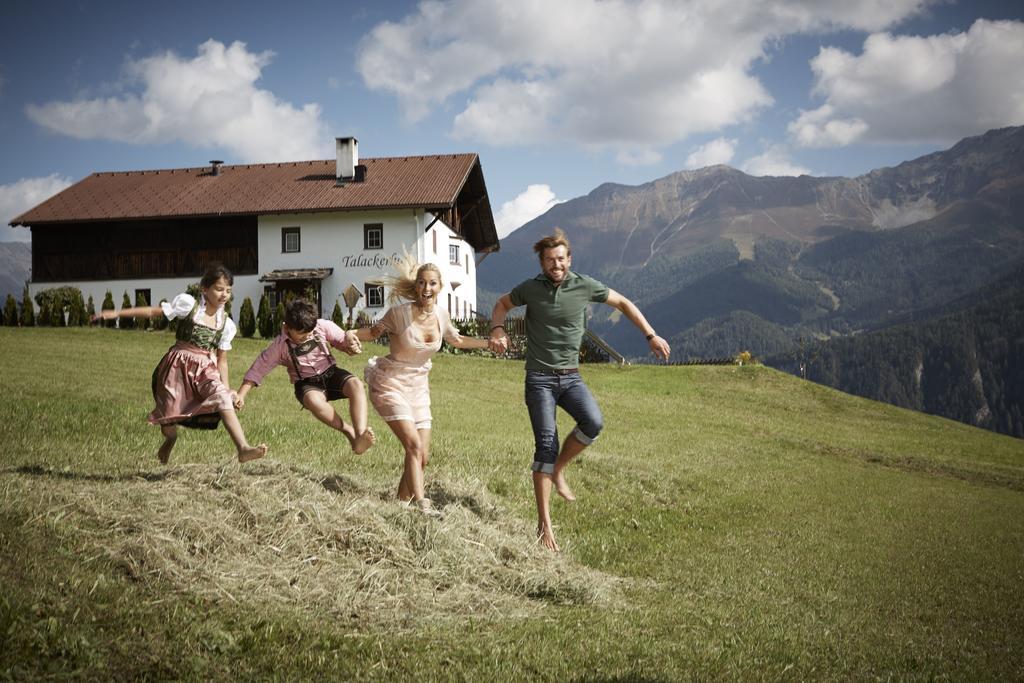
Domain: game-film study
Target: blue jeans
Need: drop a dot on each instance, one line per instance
(545, 392)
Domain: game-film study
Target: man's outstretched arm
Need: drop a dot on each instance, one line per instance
(659, 347)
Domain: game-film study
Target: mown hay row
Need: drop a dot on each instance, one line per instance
(270, 534)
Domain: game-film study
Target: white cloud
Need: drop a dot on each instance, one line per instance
(918, 89)
(20, 196)
(210, 100)
(774, 161)
(506, 113)
(861, 15)
(817, 128)
(718, 151)
(532, 202)
(602, 74)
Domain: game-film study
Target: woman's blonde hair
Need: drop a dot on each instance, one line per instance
(402, 285)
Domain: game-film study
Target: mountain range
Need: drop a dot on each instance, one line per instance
(905, 284)
(15, 266)
(721, 262)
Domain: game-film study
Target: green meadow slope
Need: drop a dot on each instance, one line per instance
(733, 523)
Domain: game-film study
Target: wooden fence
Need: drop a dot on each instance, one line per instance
(593, 349)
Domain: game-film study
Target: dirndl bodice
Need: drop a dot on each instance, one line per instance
(200, 335)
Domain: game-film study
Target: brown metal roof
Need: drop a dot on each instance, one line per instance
(441, 182)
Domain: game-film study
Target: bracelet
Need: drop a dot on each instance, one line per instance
(494, 327)
(650, 336)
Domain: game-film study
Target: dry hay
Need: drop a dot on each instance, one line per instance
(270, 534)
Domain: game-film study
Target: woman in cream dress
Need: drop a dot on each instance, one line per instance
(399, 382)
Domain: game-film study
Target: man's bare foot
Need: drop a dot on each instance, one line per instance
(362, 443)
(546, 537)
(562, 488)
(164, 452)
(252, 452)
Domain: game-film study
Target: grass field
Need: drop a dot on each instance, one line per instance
(733, 523)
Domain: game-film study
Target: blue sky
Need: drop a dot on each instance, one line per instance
(556, 96)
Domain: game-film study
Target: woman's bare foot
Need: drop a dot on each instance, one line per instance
(252, 452)
(546, 537)
(362, 443)
(562, 488)
(426, 506)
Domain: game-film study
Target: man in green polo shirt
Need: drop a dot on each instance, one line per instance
(556, 302)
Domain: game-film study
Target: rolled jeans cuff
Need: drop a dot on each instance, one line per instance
(543, 467)
(583, 438)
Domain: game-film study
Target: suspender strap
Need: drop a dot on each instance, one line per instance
(295, 357)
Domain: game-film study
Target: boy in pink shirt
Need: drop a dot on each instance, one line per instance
(303, 347)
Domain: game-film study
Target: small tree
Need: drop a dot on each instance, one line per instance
(61, 302)
(246, 319)
(76, 311)
(265, 319)
(56, 306)
(337, 316)
(78, 306)
(141, 321)
(90, 310)
(278, 316)
(108, 305)
(160, 321)
(44, 314)
(28, 311)
(11, 311)
(126, 323)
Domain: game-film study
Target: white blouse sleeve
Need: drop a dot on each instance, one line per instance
(230, 330)
(179, 307)
(448, 330)
(389, 321)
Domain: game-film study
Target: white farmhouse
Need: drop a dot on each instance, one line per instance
(310, 226)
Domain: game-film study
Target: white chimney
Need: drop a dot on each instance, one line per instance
(348, 158)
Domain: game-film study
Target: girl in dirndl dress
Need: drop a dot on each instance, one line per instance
(190, 384)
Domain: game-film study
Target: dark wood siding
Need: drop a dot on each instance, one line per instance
(143, 249)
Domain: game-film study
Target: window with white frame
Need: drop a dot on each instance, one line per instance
(373, 236)
(374, 296)
(453, 254)
(290, 242)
